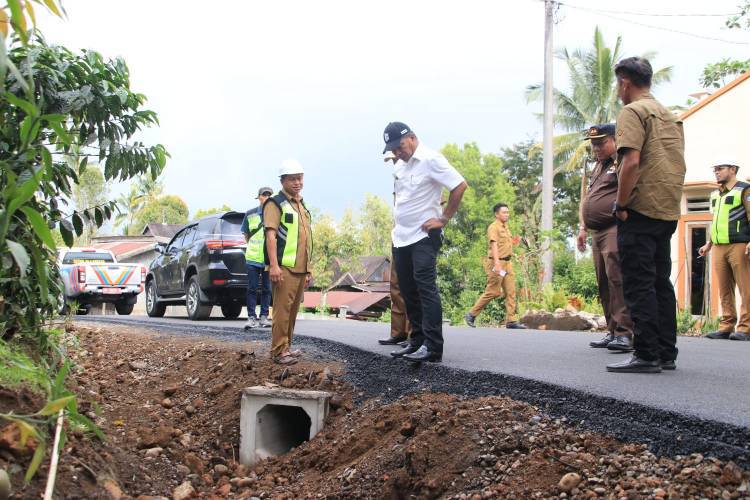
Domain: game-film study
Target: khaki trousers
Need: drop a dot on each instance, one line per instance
(732, 268)
(609, 279)
(400, 325)
(497, 286)
(287, 296)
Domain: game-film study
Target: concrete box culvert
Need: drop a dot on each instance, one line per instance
(274, 420)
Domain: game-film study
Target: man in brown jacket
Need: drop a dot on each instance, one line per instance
(597, 218)
(651, 172)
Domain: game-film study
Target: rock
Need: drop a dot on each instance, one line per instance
(221, 469)
(217, 389)
(731, 474)
(198, 403)
(154, 452)
(10, 439)
(407, 429)
(190, 409)
(569, 481)
(138, 365)
(169, 391)
(224, 490)
(161, 436)
(149, 497)
(660, 493)
(167, 403)
(113, 489)
(194, 463)
(183, 469)
(5, 488)
(183, 491)
(186, 440)
(336, 401)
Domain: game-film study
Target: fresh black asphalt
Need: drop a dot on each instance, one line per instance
(703, 406)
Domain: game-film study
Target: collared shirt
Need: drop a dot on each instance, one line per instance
(600, 197)
(418, 185)
(745, 195)
(499, 232)
(272, 219)
(647, 126)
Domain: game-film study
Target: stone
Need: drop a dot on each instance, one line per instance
(183, 469)
(336, 401)
(224, 489)
(167, 403)
(221, 469)
(113, 489)
(161, 436)
(569, 481)
(190, 409)
(149, 497)
(194, 463)
(183, 491)
(154, 452)
(186, 439)
(138, 365)
(730, 475)
(169, 391)
(5, 487)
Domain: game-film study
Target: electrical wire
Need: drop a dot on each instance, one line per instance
(648, 14)
(651, 26)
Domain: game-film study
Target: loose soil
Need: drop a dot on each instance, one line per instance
(170, 408)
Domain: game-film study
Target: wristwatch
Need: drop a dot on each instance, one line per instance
(618, 208)
(443, 219)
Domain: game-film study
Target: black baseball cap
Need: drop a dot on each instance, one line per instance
(600, 131)
(393, 133)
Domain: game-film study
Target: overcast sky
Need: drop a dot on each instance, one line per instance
(241, 85)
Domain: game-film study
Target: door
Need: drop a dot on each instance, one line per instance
(699, 271)
(185, 252)
(170, 266)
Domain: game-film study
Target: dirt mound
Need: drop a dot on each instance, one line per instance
(170, 409)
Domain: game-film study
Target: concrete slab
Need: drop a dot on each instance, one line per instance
(273, 420)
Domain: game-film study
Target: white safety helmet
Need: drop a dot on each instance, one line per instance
(732, 162)
(290, 166)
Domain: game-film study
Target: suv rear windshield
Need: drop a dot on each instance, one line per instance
(87, 258)
(230, 225)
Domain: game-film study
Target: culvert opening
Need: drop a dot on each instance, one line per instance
(279, 428)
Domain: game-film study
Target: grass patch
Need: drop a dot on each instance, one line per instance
(19, 370)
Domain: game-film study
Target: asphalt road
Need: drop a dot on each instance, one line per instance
(711, 380)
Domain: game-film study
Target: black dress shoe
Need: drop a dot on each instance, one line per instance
(469, 319)
(739, 336)
(392, 340)
(424, 355)
(718, 335)
(635, 365)
(668, 365)
(621, 343)
(515, 325)
(406, 350)
(603, 342)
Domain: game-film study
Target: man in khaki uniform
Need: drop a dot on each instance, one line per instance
(730, 239)
(596, 217)
(289, 248)
(400, 326)
(500, 276)
(651, 172)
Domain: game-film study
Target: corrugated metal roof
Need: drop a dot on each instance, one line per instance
(355, 302)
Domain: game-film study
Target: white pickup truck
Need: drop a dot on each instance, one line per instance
(93, 276)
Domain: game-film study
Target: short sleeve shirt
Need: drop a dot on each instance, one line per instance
(418, 185)
(600, 198)
(647, 126)
(499, 232)
(272, 219)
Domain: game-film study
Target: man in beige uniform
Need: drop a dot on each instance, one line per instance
(597, 218)
(400, 326)
(650, 175)
(289, 247)
(500, 276)
(730, 239)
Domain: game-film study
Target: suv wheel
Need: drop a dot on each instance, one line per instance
(196, 311)
(154, 308)
(231, 311)
(123, 309)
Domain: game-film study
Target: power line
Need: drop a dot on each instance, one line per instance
(649, 14)
(651, 26)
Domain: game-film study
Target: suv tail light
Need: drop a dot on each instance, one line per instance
(81, 274)
(219, 244)
(143, 274)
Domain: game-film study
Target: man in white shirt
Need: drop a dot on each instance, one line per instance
(421, 174)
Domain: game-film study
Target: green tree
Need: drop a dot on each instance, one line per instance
(590, 99)
(326, 249)
(166, 209)
(376, 221)
(202, 212)
(149, 187)
(128, 205)
(742, 18)
(91, 191)
(461, 277)
(716, 74)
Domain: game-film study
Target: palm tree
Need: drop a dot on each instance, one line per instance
(128, 204)
(148, 187)
(592, 98)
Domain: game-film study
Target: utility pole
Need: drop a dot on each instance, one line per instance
(547, 174)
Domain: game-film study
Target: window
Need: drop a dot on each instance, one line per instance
(189, 236)
(175, 243)
(87, 258)
(698, 205)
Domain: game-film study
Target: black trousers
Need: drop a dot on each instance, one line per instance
(646, 263)
(417, 277)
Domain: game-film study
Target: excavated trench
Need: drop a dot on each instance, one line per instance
(374, 375)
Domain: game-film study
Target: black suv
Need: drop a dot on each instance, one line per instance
(203, 266)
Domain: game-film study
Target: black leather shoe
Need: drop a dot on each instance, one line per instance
(718, 335)
(603, 342)
(621, 343)
(635, 365)
(423, 355)
(392, 340)
(515, 325)
(739, 336)
(469, 319)
(406, 350)
(668, 365)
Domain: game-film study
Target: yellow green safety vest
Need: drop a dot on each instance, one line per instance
(730, 223)
(256, 244)
(287, 235)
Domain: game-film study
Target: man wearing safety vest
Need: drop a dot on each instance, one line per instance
(730, 239)
(252, 230)
(288, 252)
